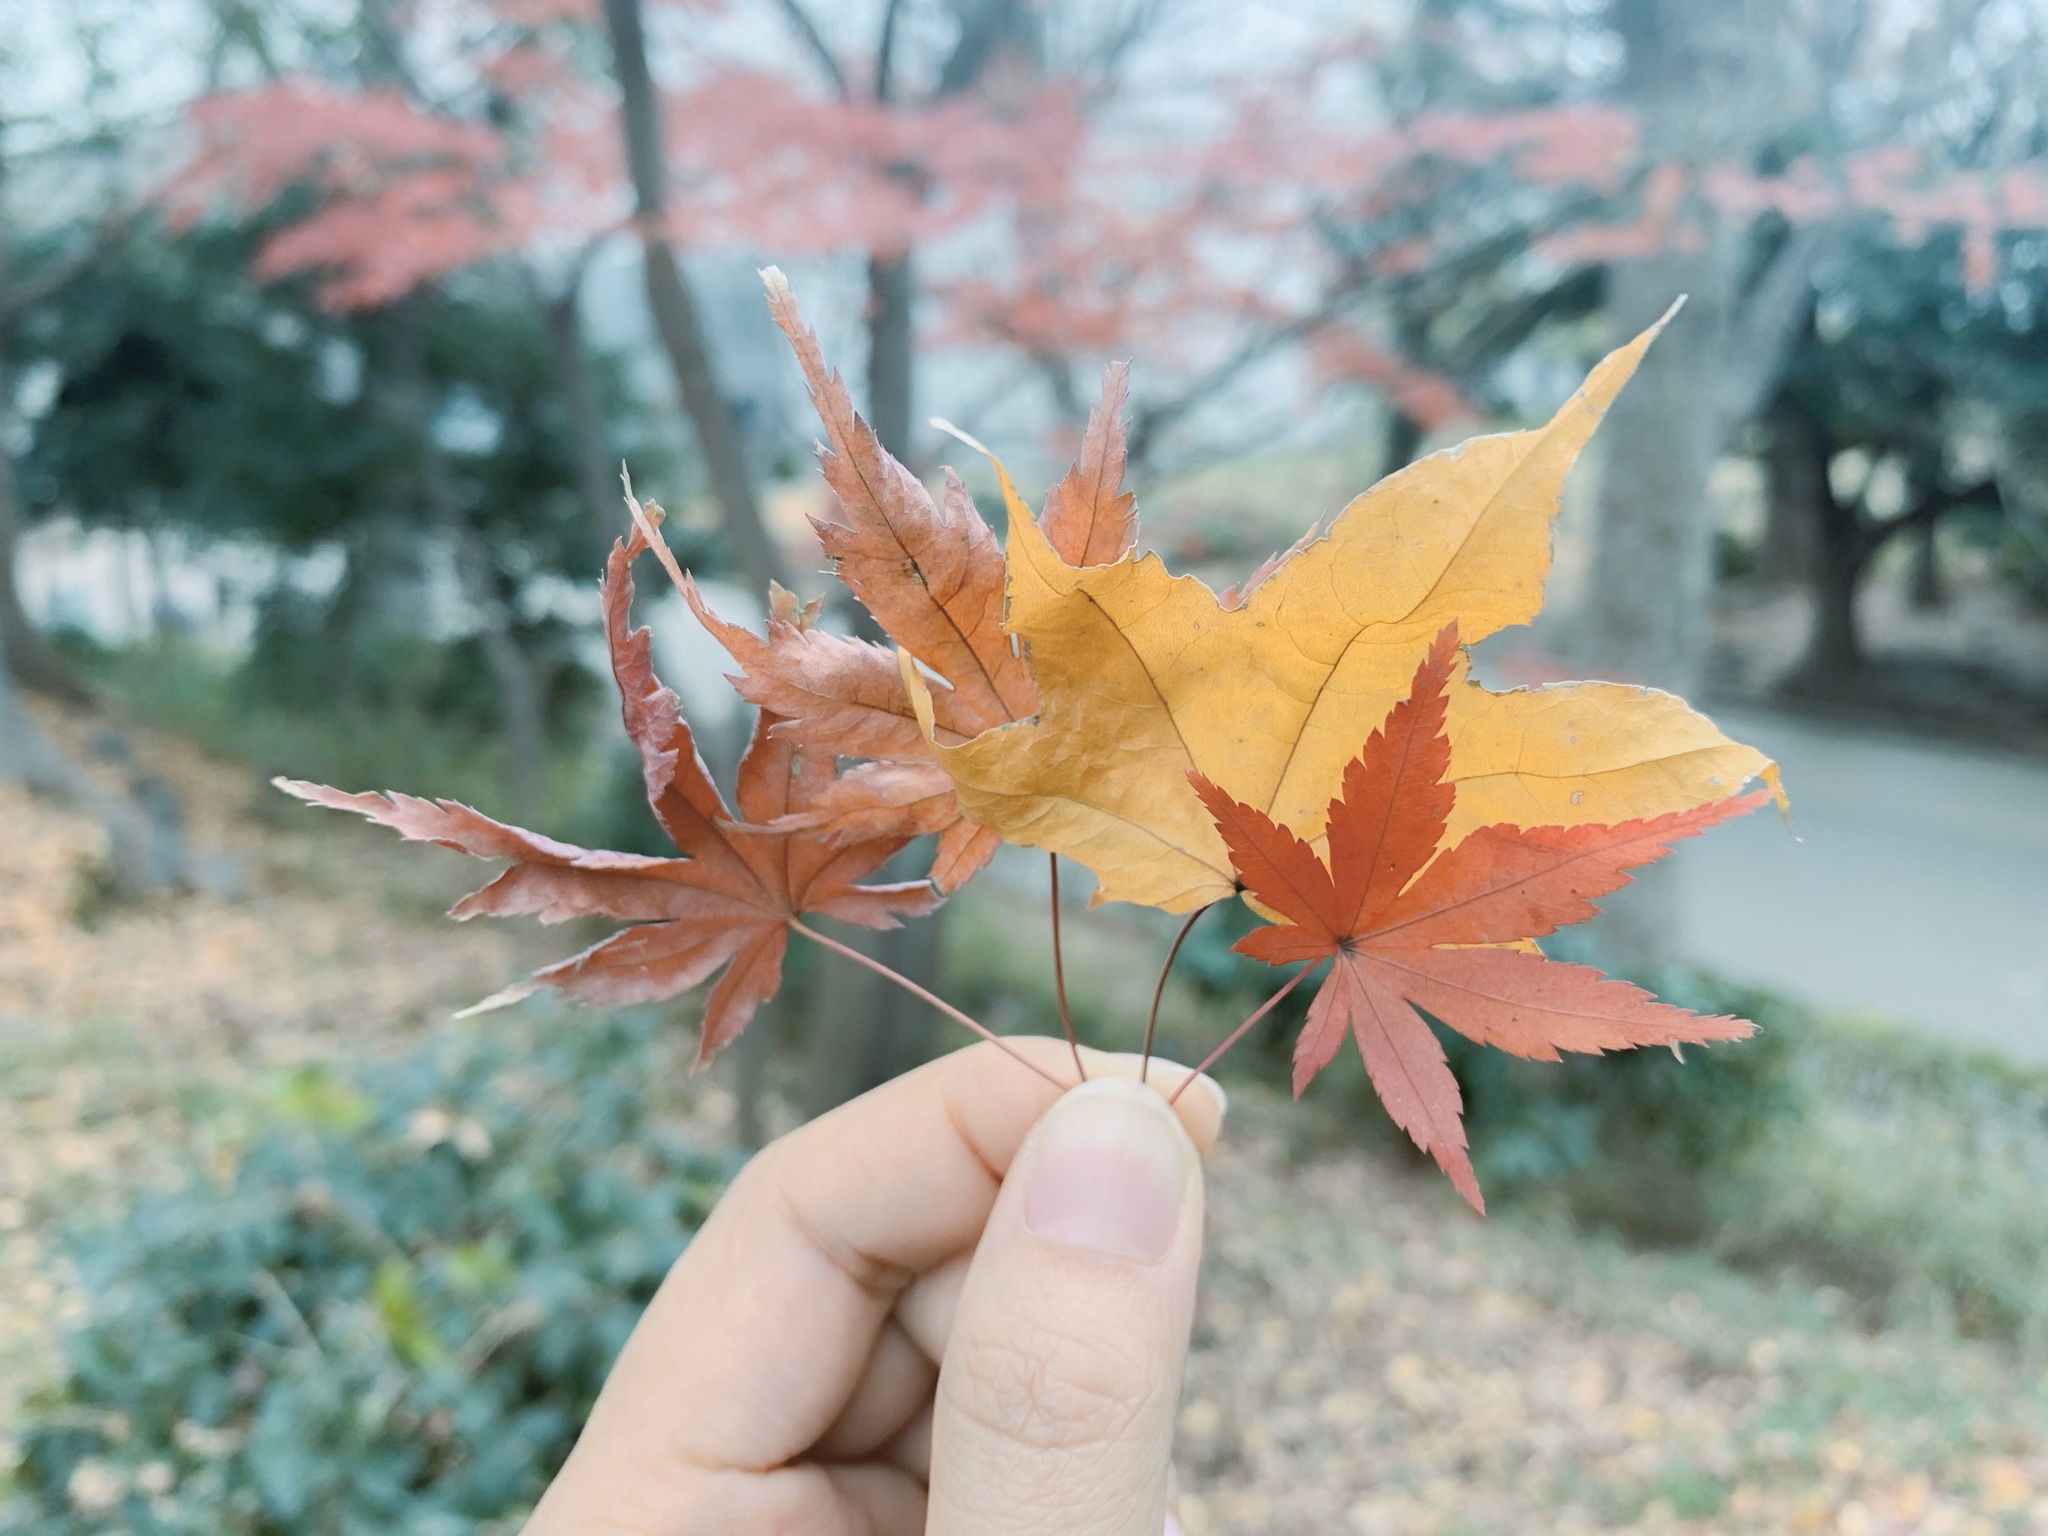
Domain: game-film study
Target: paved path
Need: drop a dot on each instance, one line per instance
(1917, 888)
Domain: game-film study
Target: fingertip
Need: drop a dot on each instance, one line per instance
(1063, 1364)
(1197, 1098)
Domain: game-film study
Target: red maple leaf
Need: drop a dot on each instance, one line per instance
(728, 902)
(1407, 927)
(931, 574)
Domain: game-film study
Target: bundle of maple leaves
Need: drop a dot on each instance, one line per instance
(1310, 740)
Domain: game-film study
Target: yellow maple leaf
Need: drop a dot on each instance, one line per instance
(1143, 675)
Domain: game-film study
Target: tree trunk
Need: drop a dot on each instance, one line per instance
(1834, 646)
(891, 343)
(32, 660)
(845, 1010)
(1653, 565)
(30, 657)
(1927, 592)
(863, 1030)
(522, 715)
(1796, 498)
(1403, 441)
(675, 307)
(596, 471)
(1646, 617)
(1702, 81)
(521, 708)
(866, 1031)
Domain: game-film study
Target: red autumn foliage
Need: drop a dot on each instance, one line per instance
(407, 195)
(1409, 927)
(1197, 249)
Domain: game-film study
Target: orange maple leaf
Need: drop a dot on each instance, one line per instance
(932, 576)
(1408, 927)
(728, 902)
(1089, 518)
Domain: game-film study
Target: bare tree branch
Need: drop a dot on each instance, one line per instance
(1148, 421)
(885, 54)
(807, 32)
(983, 24)
(674, 306)
(1875, 535)
(1758, 335)
(1106, 63)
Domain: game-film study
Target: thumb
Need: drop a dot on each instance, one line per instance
(1056, 1397)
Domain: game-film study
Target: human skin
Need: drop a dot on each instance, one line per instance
(958, 1305)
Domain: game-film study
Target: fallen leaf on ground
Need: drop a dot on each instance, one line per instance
(1408, 923)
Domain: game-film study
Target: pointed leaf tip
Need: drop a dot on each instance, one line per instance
(505, 997)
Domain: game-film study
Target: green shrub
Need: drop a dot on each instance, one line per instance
(1636, 1140)
(1633, 1140)
(1910, 1178)
(391, 1316)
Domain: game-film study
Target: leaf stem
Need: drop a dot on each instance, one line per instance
(919, 992)
(1237, 1034)
(1159, 991)
(1059, 971)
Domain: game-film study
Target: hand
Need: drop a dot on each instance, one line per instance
(959, 1304)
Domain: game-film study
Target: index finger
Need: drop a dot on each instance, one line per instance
(761, 1331)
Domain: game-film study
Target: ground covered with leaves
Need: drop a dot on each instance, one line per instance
(1368, 1357)
(126, 1033)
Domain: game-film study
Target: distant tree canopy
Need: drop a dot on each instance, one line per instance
(173, 393)
(188, 395)
(368, 314)
(1920, 381)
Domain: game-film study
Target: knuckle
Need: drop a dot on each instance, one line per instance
(1047, 1388)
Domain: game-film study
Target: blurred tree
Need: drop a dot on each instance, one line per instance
(29, 658)
(1766, 169)
(738, 156)
(1447, 240)
(1546, 160)
(142, 856)
(529, 157)
(1707, 82)
(1408, 208)
(864, 1035)
(675, 307)
(2023, 483)
(192, 399)
(1896, 354)
(385, 197)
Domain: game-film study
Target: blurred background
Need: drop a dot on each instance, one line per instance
(325, 326)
